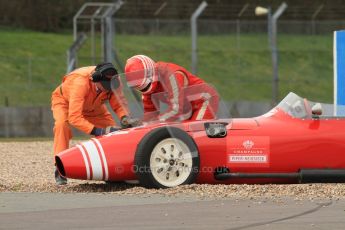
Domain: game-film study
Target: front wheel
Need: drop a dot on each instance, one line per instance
(166, 157)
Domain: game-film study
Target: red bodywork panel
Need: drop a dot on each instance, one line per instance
(274, 143)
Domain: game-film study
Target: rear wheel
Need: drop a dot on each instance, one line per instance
(166, 157)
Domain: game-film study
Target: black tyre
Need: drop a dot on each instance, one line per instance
(166, 157)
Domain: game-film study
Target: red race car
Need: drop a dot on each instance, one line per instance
(298, 141)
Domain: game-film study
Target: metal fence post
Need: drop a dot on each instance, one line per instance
(238, 24)
(315, 14)
(72, 52)
(7, 122)
(93, 46)
(109, 31)
(194, 34)
(103, 14)
(274, 19)
(29, 71)
(272, 39)
(108, 40)
(238, 38)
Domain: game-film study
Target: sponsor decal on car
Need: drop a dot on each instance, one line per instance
(248, 151)
(248, 158)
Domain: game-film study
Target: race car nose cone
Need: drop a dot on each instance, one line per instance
(70, 164)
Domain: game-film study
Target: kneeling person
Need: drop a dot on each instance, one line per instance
(79, 102)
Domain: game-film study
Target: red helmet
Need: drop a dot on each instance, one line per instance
(140, 72)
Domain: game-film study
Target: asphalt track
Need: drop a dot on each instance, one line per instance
(111, 211)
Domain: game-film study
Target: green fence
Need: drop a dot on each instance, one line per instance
(237, 64)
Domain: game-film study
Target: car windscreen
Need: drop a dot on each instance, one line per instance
(299, 107)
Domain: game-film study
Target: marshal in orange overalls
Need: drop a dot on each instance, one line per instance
(79, 103)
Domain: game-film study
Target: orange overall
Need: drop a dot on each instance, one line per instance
(77, 102)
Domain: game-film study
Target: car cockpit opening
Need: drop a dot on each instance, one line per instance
(216, 129)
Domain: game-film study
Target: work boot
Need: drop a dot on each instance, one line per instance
(60, 180)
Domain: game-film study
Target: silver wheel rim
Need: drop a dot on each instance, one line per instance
(171, 162)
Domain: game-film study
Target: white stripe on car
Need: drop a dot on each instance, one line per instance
(87, 166)
(95, 160)
(105, 164)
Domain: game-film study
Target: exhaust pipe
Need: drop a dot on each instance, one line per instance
(322, 176)
(303, 176)
(226, 176)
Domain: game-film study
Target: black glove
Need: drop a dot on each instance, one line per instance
(102, 131)
(127, 122)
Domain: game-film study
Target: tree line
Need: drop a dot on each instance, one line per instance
(57, 15)
(42, 15)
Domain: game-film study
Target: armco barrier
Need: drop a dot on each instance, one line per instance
(38, 121)
(25, 121)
